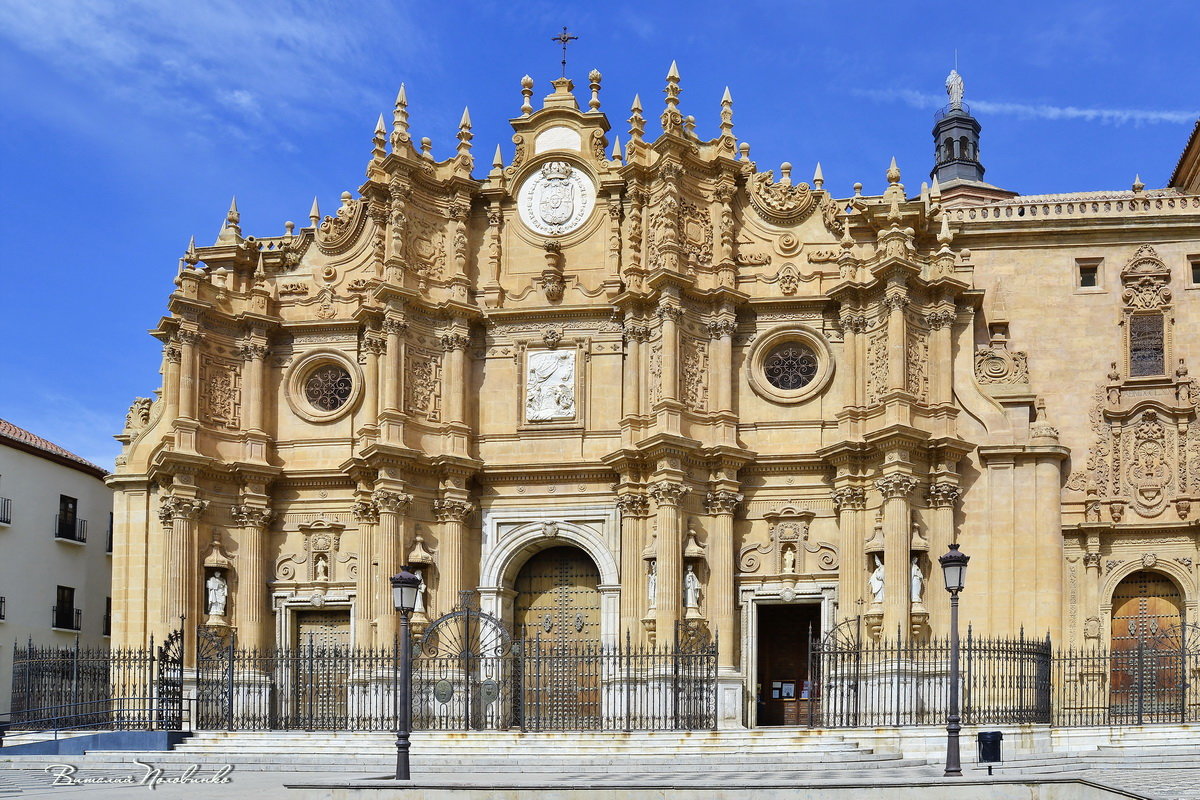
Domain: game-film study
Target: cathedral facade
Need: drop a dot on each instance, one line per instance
(611, 388)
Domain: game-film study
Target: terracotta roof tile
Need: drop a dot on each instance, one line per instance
(33, 442)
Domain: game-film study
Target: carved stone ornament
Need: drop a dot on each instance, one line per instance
(337, 233)
(788, 550)
(1000, 365)
(556, 199)
(550, 386)
(321, 559)
(781, 203)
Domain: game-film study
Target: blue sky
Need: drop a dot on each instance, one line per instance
(127, 125)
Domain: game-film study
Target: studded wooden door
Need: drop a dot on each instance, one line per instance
(321, 669)
(1147, 680)
(557, 611)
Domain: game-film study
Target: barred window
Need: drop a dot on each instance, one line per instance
(791, 365)
(328, 387)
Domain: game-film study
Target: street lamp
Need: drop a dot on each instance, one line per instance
(405, 587)
(954, 570)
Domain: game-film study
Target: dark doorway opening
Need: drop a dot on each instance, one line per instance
(783, 686)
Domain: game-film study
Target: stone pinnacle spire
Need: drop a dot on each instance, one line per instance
(726, 113)
(464, 137)
(231, 230)
(637, 123)
(672, 120)
(379, 141)
(400, 133)
(314, 213)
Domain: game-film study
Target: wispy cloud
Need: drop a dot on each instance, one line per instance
(224, 65)
(1111, 116)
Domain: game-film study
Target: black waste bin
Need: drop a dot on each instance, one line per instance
(990, 746)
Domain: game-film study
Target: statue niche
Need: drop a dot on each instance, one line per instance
(789, 551)
(321, 560)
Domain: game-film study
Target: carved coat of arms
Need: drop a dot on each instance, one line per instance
(556, 199)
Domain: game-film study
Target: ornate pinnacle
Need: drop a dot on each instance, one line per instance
(379, 141)
(594, 84)
(944, 235)
(1137, 183)
(637, 123)
(464, 137)
(314, 213)
(818, 177)
(726, 113)
(498, 159)
(616, 149)
(935, 191)
(400, 120)
(671, 118)
(190, 257)
(526, 94)
(231, 230)
(893, 172)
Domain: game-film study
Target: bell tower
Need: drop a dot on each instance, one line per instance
(957, 170)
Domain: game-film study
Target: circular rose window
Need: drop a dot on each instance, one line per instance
(328, 387)
(791, 366)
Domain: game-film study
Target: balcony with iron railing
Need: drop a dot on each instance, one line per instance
(5, 511)
(70, 530)
(67, 618)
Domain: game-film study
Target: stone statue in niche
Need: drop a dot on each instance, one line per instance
(218, 594)
(789, 560)
(652, 583)
(550, 386)
(691, 589)
(917, 581)
(321, 567)
(419, 607)
(875, 582)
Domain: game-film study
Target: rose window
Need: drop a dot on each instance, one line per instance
(790, 366)
(328, 387)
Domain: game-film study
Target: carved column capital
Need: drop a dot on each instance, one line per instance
(940, 319)
(394, 502)
(633, 505)
(673, 313)
(454, 341)
(849, 498)
(251, 516)
(395, 325)
(375, 345)
(895, 486)
(722, 501)
(942, 495)
(172, 508)
(853, 321)
(184, 336)
(450, 509)
(250, 351)
(1091, 560)
(365, 511)
(636, 333)
(666, 493)
(172, 353)
(721, 327)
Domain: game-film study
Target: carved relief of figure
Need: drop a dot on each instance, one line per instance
(550, 386)
(917, 581)
(789, 560)
(652, 584)
(876, 582)
(419, 607)
(321, 567)
(218, 594)
(691, 589)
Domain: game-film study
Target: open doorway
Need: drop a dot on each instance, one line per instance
(783, 687)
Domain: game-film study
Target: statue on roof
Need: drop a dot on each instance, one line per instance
(954, 88)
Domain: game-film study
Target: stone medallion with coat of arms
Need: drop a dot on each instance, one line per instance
(556, 199)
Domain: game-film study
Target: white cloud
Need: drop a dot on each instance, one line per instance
(1113, 116)
(220, 64)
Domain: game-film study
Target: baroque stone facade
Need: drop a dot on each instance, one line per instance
(681, 365)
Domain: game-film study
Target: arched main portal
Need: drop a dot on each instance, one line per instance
(1149, 649)
(557, 596)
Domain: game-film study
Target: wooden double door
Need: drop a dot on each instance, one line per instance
(1149, 650)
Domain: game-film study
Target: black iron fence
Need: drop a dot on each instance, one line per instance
(470, 674)
(78, 687)
(859, 682)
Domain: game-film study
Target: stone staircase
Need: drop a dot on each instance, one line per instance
(445, 756)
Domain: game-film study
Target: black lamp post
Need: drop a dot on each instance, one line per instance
(405, 587)
(954, 570)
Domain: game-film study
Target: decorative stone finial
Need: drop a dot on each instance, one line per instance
(427, 147)
(231, 231)
(400, 120)
(671, 119)
(637, 123)
(944, 235)
(857, 190)
(785, 173)
(1138, 186)
(594, 84)
(189, 257)
(818, 177)
(616, 149)
(744, 152)
(689, 125)
(498, 159)
(379, 141)
(260, 271)
(935, 190)
(526, 94)
(314, 214)
(726, 113)
(893, 172)
(289, 228)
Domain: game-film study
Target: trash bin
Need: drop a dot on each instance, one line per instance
(990, 746)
